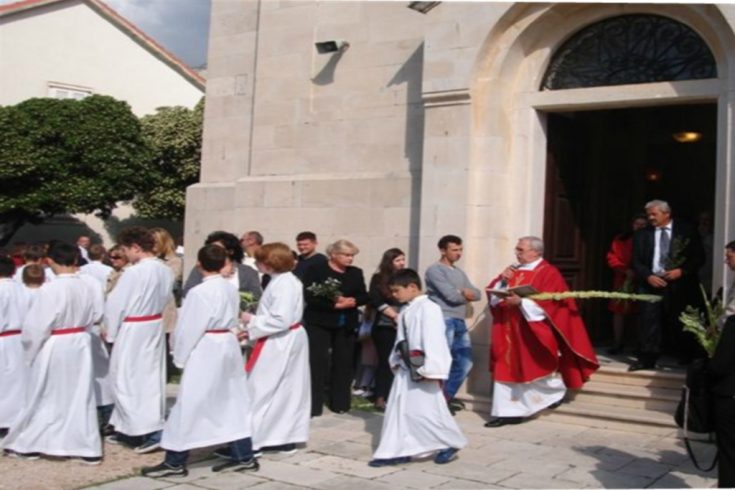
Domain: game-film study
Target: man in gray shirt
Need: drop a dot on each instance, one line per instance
(449, 287)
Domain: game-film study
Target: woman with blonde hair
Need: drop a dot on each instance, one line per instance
(331, 319)
(165, 249)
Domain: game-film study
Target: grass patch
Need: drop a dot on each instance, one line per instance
(364, 404)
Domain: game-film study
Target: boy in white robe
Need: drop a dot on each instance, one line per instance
(278, 375)
(213, 405)
(417, 420)
(59, 417)
(14, 302)
(134, 321)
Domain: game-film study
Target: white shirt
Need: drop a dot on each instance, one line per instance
(656, 266)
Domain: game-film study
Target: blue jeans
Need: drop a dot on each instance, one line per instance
(458, 339)
(241, 450)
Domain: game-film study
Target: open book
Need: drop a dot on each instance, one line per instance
(522, 291)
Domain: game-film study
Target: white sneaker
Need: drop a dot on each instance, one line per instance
(358, 392)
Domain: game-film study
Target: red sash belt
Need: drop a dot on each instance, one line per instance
(259, 344)
(148, 318)
(8, 333)
(219, 330)
(67, 331)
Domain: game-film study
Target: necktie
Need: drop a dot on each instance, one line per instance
(663, 248)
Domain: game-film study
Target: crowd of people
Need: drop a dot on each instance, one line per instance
(267, 337)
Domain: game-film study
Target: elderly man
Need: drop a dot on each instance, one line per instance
(666, 259)
(539, 348)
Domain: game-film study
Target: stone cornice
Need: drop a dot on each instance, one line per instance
(442, 98)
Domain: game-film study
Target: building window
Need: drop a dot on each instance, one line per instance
(630, 49)
(63, 91)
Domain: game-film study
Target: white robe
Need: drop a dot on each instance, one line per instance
(280, 381)
(101, 272)
(526, 399)
(417, 420)
(59, 417)
(212, 406)
(138, 361)
(14, 303)
(100, 356)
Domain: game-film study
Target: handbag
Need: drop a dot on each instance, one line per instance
(413, 359)
(695, 409)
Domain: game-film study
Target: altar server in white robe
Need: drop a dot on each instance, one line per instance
(100, 356)
(417, 421)
(278, 368)
(134, 321)
(212, 406)
(59, 417)
(14, 303)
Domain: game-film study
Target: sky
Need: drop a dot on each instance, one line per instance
(180, 26)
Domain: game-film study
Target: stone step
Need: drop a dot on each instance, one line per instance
(613, 402)
(657, 379)
(590, 409)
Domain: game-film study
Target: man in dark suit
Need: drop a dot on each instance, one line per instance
(666, 258)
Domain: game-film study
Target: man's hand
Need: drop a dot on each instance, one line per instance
(245, 317)
(242, 335)
(656, 282)
(673, 274)
(343, 303)
(513, 300)
(508, 273)
(468, 294)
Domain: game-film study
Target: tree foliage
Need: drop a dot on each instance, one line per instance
(174, 135)
(68, 156)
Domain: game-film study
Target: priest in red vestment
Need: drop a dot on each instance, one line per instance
(539, 349)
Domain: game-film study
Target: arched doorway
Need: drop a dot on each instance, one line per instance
(604, 164)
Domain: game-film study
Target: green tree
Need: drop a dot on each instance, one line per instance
(174, 135)
(68, 156)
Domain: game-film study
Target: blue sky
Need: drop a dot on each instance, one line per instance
(181, 26)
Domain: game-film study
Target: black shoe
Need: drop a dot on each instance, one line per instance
(640, 365)
(555, 405)
(282, 449)
(164, 469)
(232, 465)
(108, 430)
(26, 456)
(147, 447)
(501, 421)
(223, 453)
(456, 405)
(90, 461)
(615, 350)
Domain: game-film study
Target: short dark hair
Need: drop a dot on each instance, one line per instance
(33, 274)
(231, 243)
(96, 252)
(7, 266)
(212, 257)
(255, 235)
(137, 235)
(306, 235)
(731, 246)
(64, 254)
(447, 239)
(34, 252)
(404, 278)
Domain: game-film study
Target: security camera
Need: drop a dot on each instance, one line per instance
(331, 46)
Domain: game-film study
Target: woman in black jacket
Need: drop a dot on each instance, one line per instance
(384, 326)
(331, 323)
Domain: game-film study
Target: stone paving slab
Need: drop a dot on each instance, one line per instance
(542, 453)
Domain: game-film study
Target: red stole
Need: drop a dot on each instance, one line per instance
(523, 351)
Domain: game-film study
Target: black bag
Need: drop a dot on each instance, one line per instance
(413, 359)
(695, 411)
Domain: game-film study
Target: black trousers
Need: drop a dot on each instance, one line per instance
(725, 434)
(659, 324)
(383, 337)
(331, 354)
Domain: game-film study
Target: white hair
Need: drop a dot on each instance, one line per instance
(534, 242)
(658, 203)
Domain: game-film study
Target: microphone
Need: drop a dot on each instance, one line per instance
(504, 281)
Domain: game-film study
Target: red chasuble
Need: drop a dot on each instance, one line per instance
(523, 351)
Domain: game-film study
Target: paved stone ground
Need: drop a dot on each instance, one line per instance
(549, 452)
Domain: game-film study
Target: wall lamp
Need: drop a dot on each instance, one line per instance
(422, 7)
(336, 46)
